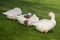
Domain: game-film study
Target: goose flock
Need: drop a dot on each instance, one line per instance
(29, 19)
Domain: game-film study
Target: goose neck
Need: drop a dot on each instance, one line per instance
(52, 18)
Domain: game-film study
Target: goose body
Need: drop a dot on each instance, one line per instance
(45, 25)
(27, 19)
(23, 18)
(33, 19)
(11, 14)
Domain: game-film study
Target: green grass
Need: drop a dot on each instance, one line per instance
(12, 30)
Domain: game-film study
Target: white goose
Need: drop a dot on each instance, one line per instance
(27, 19)
(23, 18)
(11, 14)
(45, 25)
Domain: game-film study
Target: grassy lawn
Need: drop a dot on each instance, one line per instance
(12, 30)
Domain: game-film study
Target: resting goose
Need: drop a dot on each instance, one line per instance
(27, 19)
(45, 25)
(23, 19)
(11, 14)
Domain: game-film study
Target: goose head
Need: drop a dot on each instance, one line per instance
(52, 15)
(31, 14)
